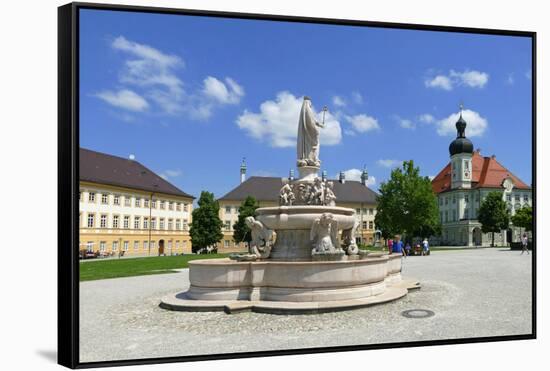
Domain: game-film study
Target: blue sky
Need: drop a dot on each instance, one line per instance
(191, 96)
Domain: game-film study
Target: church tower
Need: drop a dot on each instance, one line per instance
(461, 150)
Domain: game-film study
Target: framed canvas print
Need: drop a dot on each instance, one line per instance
(242, 185)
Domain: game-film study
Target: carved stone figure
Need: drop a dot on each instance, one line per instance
(308, 136)
(330, 197)
(324, 235)
(286, 196)
(304, 193)
(317, 194)
(260, 244)
(348, 240)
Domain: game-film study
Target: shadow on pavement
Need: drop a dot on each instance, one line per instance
(50, 355)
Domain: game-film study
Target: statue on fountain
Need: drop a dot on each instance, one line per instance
(348, 240)
(324, 235)
(308, 136)
(260, 243)
(286, 196)
(330, 197)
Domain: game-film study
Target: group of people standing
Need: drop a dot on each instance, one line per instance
(396, 246)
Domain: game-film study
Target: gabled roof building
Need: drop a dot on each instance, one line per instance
(127, 209)
(463, 184)
(349, 193)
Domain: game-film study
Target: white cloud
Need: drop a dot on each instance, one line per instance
(476, 124)
(355, 174)
(155, 74)
(363, 123)
(145, 51)
(469, 78)
(126, 99)
(166, 174)
(277, 122)
(439, 81)
(528, 74)
(388, 163)
(338, 101)
(228, 93)
(357, 97)
(431, 177)
(510, 79)
(404, 123)
(426, 118)
(473, 79)
(151, 68)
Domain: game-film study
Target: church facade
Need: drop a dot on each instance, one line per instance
(462, 186)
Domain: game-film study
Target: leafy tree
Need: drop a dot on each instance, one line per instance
(241, 232)
(523, 218)
(206, 227)
(493, 214)
(407, 204)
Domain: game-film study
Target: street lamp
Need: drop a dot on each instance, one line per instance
(150, 219)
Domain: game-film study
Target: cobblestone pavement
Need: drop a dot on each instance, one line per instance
(474, 293)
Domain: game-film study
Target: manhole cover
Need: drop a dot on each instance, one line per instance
(417, 313)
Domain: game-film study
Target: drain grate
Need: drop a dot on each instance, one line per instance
(417, 313)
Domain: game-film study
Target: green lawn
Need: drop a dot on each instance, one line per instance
(113, 268)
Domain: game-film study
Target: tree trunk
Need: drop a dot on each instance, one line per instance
(493, 241)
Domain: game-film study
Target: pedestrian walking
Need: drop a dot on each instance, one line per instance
(425, 247)
(390, 246)
(524, 244)
(398, 246)
(407, 250)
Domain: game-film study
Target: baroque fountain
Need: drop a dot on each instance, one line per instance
(302, 258)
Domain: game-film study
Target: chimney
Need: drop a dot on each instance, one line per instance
(291, 175)
(243, 171)
(364, 176)
(324, 175)
(342, 177)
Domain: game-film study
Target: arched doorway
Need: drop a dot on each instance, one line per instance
(161, 247)
(477, 236)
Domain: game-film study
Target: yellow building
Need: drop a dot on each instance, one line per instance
(125, 208)
(350, 193)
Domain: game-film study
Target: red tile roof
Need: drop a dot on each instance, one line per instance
(487, 172)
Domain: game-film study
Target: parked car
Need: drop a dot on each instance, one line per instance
(85, 254)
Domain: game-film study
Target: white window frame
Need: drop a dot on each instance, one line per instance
(92, 215)
(103, 221)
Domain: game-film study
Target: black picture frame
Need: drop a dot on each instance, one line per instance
(68, 181)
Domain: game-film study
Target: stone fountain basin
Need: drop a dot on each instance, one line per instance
(292, 281)
(302, 217)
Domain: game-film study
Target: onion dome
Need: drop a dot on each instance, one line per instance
(461, 144)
